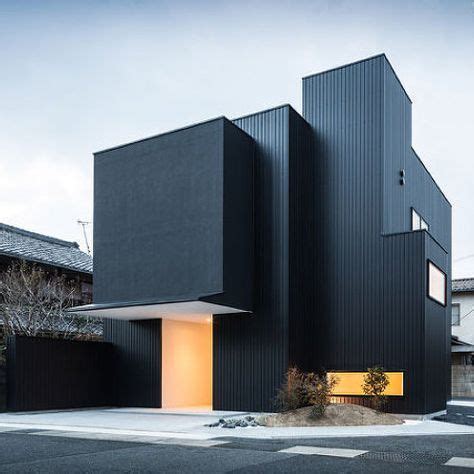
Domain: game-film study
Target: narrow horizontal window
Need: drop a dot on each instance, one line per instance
(436, 284)
(350, 383)
(455, 314)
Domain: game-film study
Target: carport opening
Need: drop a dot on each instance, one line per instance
(186, 363)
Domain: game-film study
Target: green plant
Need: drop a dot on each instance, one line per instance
(319, 388)
(291, 395)
(375, 383)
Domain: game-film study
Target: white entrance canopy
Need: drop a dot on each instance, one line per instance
(194, 311)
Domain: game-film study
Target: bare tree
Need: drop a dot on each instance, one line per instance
(33, 302)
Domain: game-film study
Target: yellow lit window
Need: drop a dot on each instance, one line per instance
(350, 383)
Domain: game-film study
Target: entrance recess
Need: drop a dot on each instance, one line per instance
(186, 362)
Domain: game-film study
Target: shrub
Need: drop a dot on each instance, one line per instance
(319, 389)
(301, 389)
(291, 395)
(375, 383)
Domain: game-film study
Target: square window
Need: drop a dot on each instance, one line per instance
(436, 284)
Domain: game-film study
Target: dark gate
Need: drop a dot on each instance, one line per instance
(45, 374)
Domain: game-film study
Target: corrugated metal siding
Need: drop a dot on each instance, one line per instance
(47, 374)
(303, 241)
(372, 307)
(251, 351)
(345, 109)
(437, 334)
(137, 375)
(420, 191)
(401, 312)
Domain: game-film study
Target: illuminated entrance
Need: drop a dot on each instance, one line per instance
(186, 362)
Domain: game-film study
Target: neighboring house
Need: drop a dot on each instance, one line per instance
(226, 252)
(462, 347)
(49, 253)
(462, 319)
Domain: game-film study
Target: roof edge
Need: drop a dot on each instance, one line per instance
(47, 263)
(169, 132)
(264, 111)
(431, 176)
(370, 58)
(35, 235)
(147, 302)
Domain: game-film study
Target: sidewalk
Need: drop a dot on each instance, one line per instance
(464, 402)
(129, 422)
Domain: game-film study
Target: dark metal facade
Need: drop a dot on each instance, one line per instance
(174, 218)
(303, 222)
(373, 303)
(46, 374)
(137, 362)
(252, 352)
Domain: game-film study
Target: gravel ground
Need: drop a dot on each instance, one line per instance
(335, 415)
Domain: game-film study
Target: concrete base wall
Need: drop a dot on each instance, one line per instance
(462, 380)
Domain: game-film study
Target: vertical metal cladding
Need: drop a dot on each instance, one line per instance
(373, 305)
(137, 375)
(49, 374)
(251, 351)
(437, 333)
(303, 242)
(345, 108)
(401, 311)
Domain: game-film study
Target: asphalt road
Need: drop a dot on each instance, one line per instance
(30, 452)
(460, 414)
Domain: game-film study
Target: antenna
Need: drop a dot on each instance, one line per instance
(83, 224)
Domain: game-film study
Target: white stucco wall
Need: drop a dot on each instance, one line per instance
(465, 331)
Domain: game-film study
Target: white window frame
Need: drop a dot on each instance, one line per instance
(417, 221)
(431, 291)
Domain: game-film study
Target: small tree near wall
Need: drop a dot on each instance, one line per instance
(292, 394)
(319, 388)
(301, 389)
(34, 303)
(375, 383)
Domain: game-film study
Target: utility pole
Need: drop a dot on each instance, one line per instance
(83, 224)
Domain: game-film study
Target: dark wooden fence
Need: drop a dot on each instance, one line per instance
(45, 374)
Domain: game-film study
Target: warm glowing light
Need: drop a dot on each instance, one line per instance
(186, 351)
(350, 383)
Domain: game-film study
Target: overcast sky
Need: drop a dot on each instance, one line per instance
(77, 77)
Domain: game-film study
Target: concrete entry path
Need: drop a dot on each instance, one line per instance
(173, 424)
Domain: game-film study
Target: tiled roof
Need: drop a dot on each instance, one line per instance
(29, 246)
(463, 284)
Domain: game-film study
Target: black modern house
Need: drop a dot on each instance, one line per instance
(227, 251)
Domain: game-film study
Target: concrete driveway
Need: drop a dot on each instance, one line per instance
(173, 424)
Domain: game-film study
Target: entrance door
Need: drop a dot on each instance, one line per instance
(186, 363)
